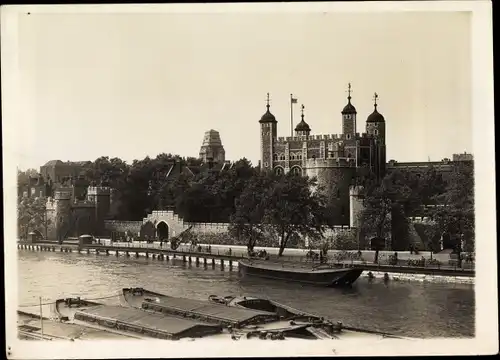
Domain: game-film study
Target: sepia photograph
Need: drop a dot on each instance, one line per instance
(249, 178)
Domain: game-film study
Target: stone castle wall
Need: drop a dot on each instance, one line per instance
(335, 182)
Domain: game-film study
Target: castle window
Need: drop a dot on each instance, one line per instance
(278, 171)
(292, 156)
(375, 131)
(266, 164)
(313, 157)
(296, 170)
(275, 157)
(348, 117)
(299, 156)
(282, 157)
(348, 136)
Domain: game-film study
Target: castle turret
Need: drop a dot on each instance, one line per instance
(268, 135)
(375, 126)
(302, 128)
(101, 197)
(61, 213)
(349, 117)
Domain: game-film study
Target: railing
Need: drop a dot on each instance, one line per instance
(193, 250)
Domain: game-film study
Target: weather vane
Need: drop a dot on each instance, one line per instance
(375, 97)
(349, 91)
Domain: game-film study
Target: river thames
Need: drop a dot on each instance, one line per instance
(414, 309)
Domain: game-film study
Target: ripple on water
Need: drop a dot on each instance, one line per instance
(404, 308)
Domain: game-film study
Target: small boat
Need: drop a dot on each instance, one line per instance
(322, 275)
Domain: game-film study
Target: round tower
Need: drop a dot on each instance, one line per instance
(334, 177)
(62, 213)
(268, 135)
(356, 206)
(101, 197)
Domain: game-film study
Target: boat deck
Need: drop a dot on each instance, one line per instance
(288, 266)
(207, 311)
(152, 324)
(29, 327)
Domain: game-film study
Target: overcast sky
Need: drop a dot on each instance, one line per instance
(132, 85)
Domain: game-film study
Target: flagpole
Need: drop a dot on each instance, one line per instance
(291, 114)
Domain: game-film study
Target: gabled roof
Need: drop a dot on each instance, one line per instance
(53, 163)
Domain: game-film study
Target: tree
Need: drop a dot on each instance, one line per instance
(291, 208)
(24, 176)
(389, 203)
(283, 207)
(31, 215)
(456, 216)
(246, 221)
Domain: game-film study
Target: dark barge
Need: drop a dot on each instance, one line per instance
(295, 272)
(130, 321)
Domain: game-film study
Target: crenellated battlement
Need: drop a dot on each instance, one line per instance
(99, 190)
(285, 139)
(330, 163)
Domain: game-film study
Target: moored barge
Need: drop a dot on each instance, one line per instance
(295, 272)
(246, 317)
(131, 321)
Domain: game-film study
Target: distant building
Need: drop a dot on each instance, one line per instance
(463, 157)
(212, 149)
(57, 171)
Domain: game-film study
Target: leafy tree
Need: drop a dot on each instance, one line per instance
(246, 221)
(455, 216)
(345, 240)
(24, 176)
(291, 208)
(31, 215)
(390, 203)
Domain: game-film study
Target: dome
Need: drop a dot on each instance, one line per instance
(375, 117)
(349, 109)
(302, 126)
(267, 117)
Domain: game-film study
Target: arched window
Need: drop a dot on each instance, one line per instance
(375, 131)
(292, 156)
(299, 156)
(279, 170)
(275, 157)
(296, 170)
(282, 156)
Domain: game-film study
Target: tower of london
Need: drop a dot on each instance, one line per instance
(335, 160)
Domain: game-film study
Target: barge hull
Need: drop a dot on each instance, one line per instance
(334, 277)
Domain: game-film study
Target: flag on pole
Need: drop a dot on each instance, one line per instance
(294, 100)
